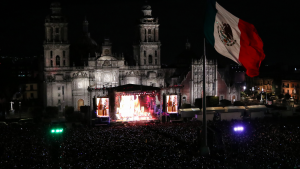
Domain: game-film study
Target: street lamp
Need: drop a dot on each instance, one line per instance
(261, 100)
(20, 109)
(291, 100)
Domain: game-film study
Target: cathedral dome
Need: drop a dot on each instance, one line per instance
(185, 58)
(86, 40)
(56, 9)
(107, 58)
(146, 7)
(84, 47)
(55, 4)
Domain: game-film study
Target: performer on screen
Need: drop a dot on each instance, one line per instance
(174, 105)
(170, 105)
(104, 108)
(99, 107)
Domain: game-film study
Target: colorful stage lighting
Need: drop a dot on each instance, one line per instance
(238, 128)
(56, 130)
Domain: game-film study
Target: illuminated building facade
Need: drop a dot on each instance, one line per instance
(291, 87)
(67, 84)
(70, 84)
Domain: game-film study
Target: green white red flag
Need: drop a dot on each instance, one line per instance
(233, 38)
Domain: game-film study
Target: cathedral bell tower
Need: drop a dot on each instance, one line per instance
(147, 50)
(56, 45)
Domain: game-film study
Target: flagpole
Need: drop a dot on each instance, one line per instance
(204, 147)
(204, 97)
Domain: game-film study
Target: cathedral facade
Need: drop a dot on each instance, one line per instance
(66, 84)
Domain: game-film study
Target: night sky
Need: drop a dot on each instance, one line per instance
(22, 25)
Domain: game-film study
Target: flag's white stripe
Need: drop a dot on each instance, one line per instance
(223, 16)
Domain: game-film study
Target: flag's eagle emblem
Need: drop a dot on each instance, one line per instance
(225, 34)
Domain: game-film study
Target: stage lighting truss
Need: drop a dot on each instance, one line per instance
(152, 94)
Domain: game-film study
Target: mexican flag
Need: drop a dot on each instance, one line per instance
(233, 38)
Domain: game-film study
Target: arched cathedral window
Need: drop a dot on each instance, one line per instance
(149, 35)
(150, 59)
(155, 53)
(51, 54)
(57, 60)
(57, 34)
(144, 53)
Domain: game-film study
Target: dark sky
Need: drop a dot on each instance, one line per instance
(22, 25)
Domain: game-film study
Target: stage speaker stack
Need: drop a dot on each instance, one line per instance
(85, 111)
(163, 119)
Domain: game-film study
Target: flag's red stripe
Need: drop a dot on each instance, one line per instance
(251, 51)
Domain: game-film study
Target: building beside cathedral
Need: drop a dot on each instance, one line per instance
(68, 82)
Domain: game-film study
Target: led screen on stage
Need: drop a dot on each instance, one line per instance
(102, 107)
(171, 103)
(135, 108)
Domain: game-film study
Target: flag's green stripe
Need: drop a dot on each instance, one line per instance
(209, 21)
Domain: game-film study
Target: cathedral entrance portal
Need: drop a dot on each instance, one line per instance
(233, 99)
(80, 103)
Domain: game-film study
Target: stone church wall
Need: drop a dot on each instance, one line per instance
(222, 87)
(186, 90)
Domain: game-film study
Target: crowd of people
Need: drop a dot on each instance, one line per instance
(22, 147)
(262, 144)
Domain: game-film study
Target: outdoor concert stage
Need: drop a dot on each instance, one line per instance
(129, 103)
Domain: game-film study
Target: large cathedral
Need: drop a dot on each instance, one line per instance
(68, 82)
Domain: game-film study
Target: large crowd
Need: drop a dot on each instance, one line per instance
(262, 144)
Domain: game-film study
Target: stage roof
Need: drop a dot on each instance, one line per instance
(133, 87)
